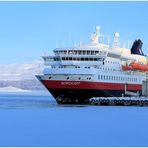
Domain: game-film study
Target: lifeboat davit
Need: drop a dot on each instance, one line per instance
(136, 66)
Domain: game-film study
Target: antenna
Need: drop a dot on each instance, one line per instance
(124, 45)
(69, 36)
(128, 44)
(81, 37)
(63, 44)
(108, 40)
(116, 37)
(57, 45)
(75, 44)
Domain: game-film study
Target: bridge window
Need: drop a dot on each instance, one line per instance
(82, 59)
(86, 59)
(63, 58)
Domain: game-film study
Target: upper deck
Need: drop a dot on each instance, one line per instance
(95, 54)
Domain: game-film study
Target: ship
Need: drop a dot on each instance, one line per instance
(73, 75)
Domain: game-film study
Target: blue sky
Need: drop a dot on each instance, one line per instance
(27, 29)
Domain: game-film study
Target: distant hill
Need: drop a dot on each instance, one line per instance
(12, 89)
(21, 75)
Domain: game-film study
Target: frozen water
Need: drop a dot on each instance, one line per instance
(36, 120)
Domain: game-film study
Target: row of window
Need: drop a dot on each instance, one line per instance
(116, 78)
(112, 62)
(67, 67)
(79, 78)
(88, 78)
(79, 52)
(73, 59)
(56, 59)
(64, 66)
(80, 59)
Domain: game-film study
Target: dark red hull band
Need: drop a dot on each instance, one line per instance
(80, 92)
(50, 84)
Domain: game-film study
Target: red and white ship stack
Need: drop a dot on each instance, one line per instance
(76, 74)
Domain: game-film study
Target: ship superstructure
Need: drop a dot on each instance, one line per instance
(76, 74)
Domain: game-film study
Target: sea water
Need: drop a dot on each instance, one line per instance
(36, 120)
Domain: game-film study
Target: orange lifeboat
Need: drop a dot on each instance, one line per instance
(140, 67)
(126, 67)
(136, 66)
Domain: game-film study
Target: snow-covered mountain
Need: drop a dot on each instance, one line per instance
(21, 71)
(21, 75)
(12, 89)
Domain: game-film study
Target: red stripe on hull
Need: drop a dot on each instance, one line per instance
(58, 84)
